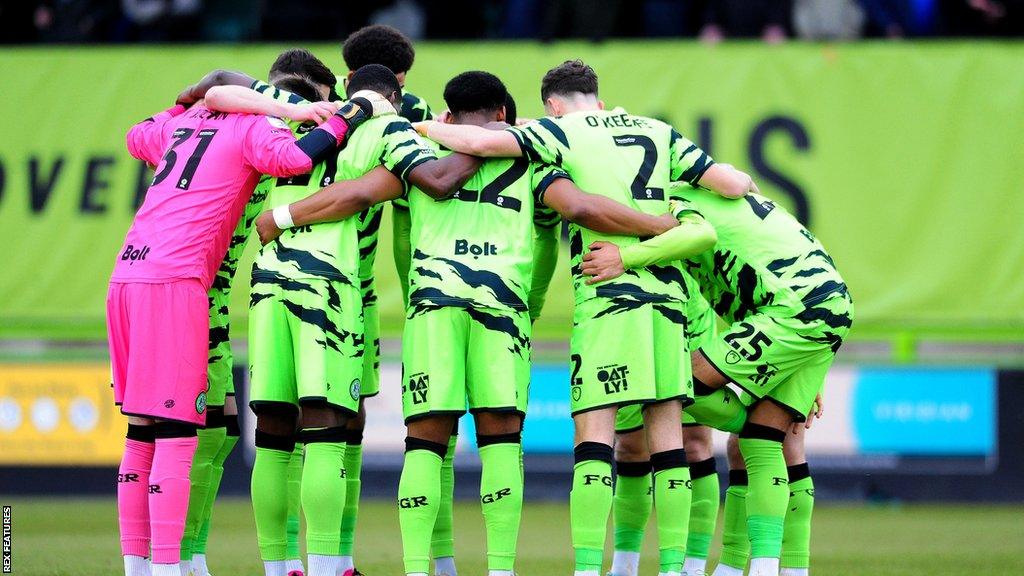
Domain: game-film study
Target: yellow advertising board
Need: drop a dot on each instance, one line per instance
(58, 414)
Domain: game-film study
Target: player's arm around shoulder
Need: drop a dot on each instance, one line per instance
(331, 203)
(606, 260)
(727, 181)
(472, 140)
(599, 213)
(241, 100)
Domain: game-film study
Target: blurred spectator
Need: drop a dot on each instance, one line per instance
(983, 17)
(591, 19)
(827, 19)
(231, 20)
(899, 18)
(405, 15)
(73, 20)
(163, 20)
(746, 19)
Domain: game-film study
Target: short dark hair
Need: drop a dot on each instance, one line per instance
(568, 77)
(510, 109)
(302, 62)
(475, 91)
(300, 86)
(373, 77)
(378, 44)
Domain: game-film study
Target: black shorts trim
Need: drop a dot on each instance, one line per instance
(797, 416)
(414, 418)
(499, 410)
(254, 404)
(692, 424)
(614, 405)
(629, 430)
(164, 418)
(232, 394)
(363, 396)
(683, 398)
(321, 400)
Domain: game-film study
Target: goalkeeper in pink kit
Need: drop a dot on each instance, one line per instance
(207, 164)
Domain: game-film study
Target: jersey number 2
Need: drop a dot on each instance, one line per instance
(639, 187)
(171, 157)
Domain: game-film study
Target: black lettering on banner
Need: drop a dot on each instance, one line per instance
(705, 133)
(639, 187)
(96, 183)
(40, 188)
(756, 148)
(3, 179)
(8, 538)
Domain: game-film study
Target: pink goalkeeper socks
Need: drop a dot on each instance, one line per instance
(168, 496)
(133, 497)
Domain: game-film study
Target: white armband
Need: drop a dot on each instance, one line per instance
(283, 217)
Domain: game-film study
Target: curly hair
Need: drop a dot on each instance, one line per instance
(568, 77)
(378, 44)
(474, 92)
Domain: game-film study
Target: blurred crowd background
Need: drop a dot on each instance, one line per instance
(131, 21)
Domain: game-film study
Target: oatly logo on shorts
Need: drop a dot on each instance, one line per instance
(614, 378)
(132, 253)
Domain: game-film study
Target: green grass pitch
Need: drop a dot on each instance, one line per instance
(65, 537)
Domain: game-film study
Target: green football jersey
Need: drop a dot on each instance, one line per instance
(630, 159)
(764, 258)
(254, 206)
(414, 108)
(475, 249)
(332, 249)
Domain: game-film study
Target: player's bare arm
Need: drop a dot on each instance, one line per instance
(602, 214)
(469, 139)
(241, 100)
(197, 91)
(607, 261)
(727, 181)
(335, 202)
(439, 178)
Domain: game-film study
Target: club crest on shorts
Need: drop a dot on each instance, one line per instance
(201, 403)
(354, 389)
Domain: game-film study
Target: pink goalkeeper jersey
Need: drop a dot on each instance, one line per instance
(207, 166)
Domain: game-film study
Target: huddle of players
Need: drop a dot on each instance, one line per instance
(479, 265)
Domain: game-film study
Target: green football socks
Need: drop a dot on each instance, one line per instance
(442, 541)
(210, 440)
(323, 490)
(501, 497)
(353, 488)
(796, 540)
(631, 505)
(672, 498)
(590, 503)
(704, 509)
(419, 496)
(767, 492)
(294, 522)
(269, 489)
(735, 544)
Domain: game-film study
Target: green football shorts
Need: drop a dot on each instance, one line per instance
(700, 328)
(305, 342)
(219, 361)
(370, 382)
(454, 357)
(624, 351)
(784, 358)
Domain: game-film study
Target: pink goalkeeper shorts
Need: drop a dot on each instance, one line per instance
(159, 341)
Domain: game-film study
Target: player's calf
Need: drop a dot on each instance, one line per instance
(175, 446)
(419, 489)
(323, 435)
(704, 507)
(760, 443)
(499, 441)
(633, 498)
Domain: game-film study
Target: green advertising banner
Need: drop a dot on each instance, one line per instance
(899, 156)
